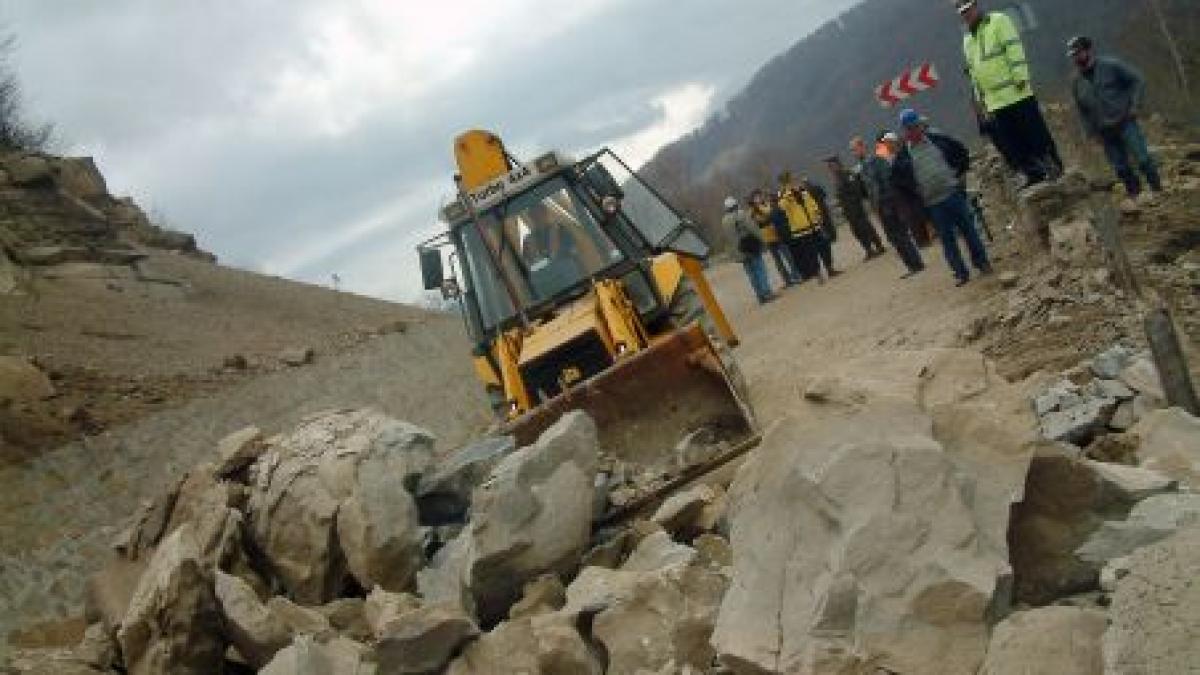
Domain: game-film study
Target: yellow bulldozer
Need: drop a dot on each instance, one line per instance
(581, 288)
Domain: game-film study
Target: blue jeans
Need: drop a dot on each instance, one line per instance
(756, 270)
(784, 263)
(953, 217)
(1119, 144)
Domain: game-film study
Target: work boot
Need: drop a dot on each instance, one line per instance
(1153, 178)
(1133, 186)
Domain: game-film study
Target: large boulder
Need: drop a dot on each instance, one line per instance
(1171, 445)
(859, 541)
(547, 644)
(310, 656)
(871, 525)
(1152, 520)
(1059, 640)
(648, 617)
(251, 627)
(359, 461)
(378, 530)
(532, 516)
(1155, 613)
(423, 640)
(1067, 499)
(173, 625)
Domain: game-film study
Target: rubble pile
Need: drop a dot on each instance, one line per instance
(340, 547)
(911, 516)
(1058, 277)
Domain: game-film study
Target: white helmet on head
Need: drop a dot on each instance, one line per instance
(730, 203)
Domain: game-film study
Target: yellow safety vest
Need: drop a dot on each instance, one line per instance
(802, 211)
(996, 61)
(765, 226)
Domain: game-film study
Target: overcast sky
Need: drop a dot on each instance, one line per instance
(309, 137)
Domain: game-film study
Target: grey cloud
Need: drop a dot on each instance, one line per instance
(143, 79)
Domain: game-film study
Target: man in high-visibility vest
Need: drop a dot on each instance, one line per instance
(810, 246)
(1004, 94)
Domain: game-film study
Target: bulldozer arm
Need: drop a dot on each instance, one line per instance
(647, 403)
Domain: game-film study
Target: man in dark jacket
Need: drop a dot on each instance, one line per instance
(876, 169)
(1108, 93)
(822, 197)
(932, 166)
(850, 193)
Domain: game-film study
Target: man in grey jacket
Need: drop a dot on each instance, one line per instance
(1108, 93)
(748, 249)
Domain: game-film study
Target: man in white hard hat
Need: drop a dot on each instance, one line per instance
(748, 249)
(1003, 92)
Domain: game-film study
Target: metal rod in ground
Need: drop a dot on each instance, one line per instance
(1169, 359)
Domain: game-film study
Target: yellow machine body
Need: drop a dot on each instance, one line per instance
(659, 386)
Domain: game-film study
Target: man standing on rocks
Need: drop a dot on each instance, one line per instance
(1004, 95)
(931, 166)
(851, 194)
(748, 249)
(1108, 93)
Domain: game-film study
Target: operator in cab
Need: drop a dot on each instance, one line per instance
(550, 252)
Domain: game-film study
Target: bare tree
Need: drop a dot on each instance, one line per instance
(16, 131)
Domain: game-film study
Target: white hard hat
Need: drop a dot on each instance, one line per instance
(730, 203)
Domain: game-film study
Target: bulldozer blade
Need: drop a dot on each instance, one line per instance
(645, 404)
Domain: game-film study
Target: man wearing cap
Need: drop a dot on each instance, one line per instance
(851, 193)
(1108, 93)
(932, 166)
(1000, 74)
(876, 172)
(748, 249)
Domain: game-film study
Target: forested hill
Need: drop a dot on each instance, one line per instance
(810, 100)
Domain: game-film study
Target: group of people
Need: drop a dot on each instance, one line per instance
(791, 224)
(907, 179)
(1108, 94)
(915, 175)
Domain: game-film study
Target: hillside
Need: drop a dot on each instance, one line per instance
(810, 100)
(122, 320)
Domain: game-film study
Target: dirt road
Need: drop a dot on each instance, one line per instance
(868, 308)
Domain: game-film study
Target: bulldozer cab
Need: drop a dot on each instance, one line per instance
(542, 234)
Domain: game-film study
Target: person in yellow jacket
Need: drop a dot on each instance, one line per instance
(1004, 99)
(810, 246)
(772, 224)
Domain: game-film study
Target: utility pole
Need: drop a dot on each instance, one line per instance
(1159, 327)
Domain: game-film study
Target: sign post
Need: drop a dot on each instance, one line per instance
(922, 78)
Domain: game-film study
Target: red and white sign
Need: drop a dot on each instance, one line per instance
(921, 78)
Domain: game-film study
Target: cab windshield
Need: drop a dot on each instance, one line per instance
(546, 241)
